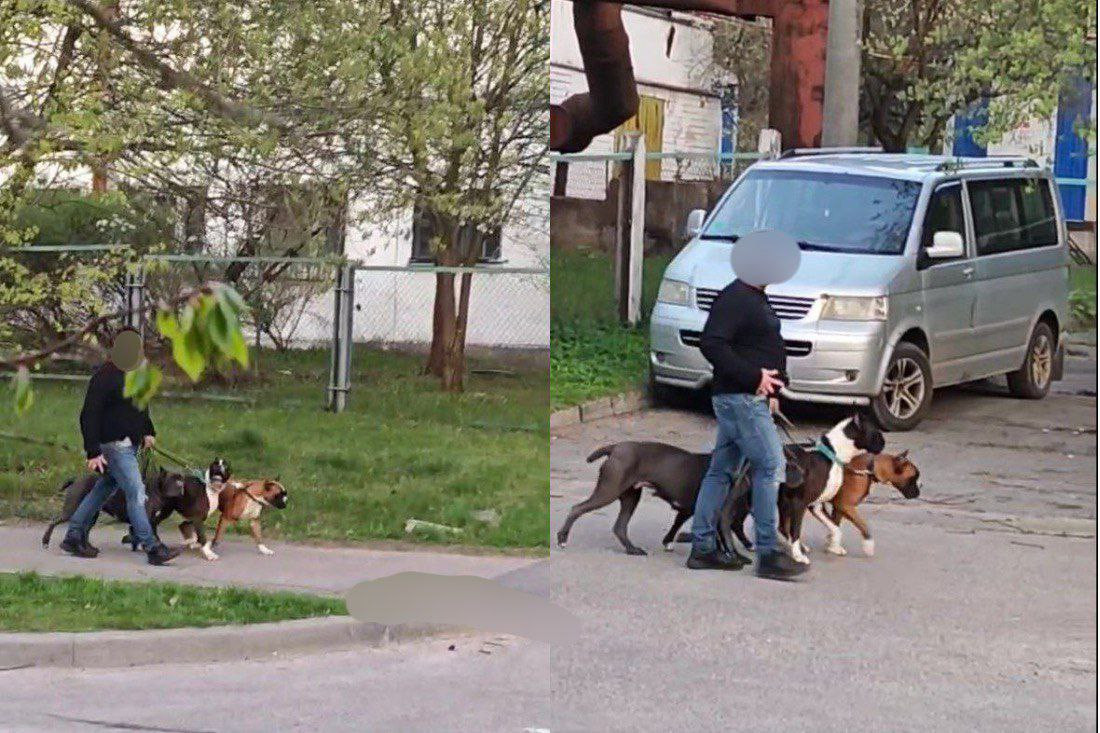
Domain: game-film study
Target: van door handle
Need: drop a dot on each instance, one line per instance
(968, 271)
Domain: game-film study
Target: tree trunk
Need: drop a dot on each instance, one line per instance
(443, 323)
(454, 366)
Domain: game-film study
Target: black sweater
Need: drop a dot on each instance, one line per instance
(741, 338)
(107, 415)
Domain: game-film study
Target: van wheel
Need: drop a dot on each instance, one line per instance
(907, 390)
(1032, 380)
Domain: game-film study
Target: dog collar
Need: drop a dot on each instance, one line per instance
(824, 449)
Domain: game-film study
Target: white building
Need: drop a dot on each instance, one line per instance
(680, 111)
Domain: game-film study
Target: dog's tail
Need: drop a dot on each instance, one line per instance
(601, 452)
(65, 486)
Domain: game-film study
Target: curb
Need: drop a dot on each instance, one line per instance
(98, 649)
(620, 404)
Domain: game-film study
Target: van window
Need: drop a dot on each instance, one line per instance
(1012, 214)
(829, 212)
(945, 213)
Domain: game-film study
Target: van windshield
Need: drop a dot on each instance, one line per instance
(831, 212)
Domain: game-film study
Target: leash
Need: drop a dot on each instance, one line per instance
(200, 475)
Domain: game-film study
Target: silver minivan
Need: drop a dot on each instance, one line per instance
(917, 272)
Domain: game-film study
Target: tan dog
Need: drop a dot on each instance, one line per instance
(244, 500)
(861, 473)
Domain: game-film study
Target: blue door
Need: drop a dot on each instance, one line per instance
(1071, 150)
(965, 124)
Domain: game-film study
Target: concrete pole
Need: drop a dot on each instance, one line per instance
(840, 127)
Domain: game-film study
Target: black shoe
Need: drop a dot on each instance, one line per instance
(162, 554)
(79, 549)
(713, 560)
(778, 566)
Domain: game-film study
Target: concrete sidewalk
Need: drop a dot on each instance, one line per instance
(294, 567)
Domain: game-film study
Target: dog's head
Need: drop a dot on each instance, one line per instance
(863, 432)
(218, 471)
(170, 485)
(275, 493)
(899, 472)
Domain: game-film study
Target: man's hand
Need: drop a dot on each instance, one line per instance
(773, 404)
(97, 464)
(769, 382)
(149, 442)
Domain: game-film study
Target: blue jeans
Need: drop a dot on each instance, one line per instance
(745, 429)
(122, 472)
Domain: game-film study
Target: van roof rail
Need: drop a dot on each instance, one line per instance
(802, 152)
(992, 161)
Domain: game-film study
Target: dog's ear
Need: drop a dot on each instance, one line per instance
(904, 455)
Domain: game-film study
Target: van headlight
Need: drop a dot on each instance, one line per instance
(848, 308)
(674, 292)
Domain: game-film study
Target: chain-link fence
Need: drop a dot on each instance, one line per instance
(296, 304)
(508, 307)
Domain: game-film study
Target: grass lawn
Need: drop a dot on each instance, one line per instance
(403, 449)
(591, 355)
(32, 602)
(1082, 285)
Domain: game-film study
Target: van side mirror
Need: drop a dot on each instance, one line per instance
(945, 245)
(694, 223)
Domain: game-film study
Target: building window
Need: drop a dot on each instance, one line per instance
(423, 233)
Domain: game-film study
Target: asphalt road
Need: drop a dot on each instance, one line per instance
(978, 611)
(485, 683)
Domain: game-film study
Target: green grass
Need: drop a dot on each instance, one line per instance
(591, 355)
(1082, 284)
(403, 449)
(33, 602)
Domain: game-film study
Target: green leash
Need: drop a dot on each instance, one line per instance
(200, 475)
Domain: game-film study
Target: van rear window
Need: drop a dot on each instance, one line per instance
(824, 211)
(1012, 214)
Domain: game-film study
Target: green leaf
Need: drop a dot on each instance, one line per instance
(24, 394)
(141, 384)
(168, 326)
(233, 344)
(229, 295)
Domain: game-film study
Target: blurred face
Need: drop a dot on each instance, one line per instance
(765, 257)
(126, 351)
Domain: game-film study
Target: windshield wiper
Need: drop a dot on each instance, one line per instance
(815, 247)
(724, 237)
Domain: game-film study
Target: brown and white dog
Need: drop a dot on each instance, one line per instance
(861, 473)
(244, 500)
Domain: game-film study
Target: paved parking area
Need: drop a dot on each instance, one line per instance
(978, 611)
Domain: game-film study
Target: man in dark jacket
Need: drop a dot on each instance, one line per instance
(114, 430)
(742, 341)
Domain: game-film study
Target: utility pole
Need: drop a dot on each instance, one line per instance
(842, 60)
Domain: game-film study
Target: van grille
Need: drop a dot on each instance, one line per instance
(786, 307)
(793, 348)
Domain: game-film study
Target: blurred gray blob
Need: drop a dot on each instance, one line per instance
(460, 600)
(126, 350)
(765, 257)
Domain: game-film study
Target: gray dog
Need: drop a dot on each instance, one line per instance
(160, 485)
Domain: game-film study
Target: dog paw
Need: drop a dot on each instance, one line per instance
(869, 548)
(669, 547)
(835, 549)
(265, 550)
(635, 551)
(209, 554)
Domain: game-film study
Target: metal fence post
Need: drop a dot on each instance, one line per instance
(135, 297)
(339, 381)
(629, 228)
